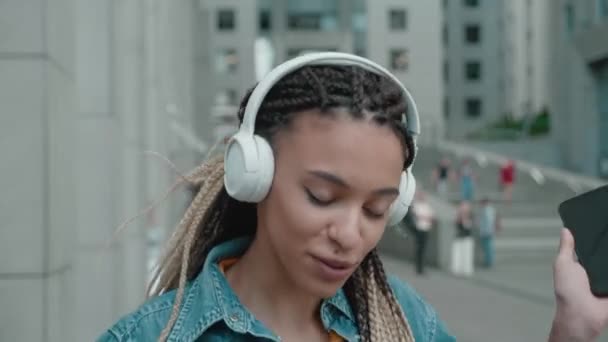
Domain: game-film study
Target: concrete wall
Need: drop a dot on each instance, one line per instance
(574, 91)
(37, 130)
(527, 49)
(83, 91)
(423, 77)
(209, 40)
(488, 15)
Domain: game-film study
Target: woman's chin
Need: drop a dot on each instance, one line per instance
(325, 289)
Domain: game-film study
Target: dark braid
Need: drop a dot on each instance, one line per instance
(357, 296)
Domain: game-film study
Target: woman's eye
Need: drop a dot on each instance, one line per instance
(374, 214)
(316, 200)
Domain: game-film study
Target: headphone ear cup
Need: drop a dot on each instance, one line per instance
(407, 189)
(248, 168)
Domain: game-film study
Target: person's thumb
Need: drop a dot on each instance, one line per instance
(566, 244)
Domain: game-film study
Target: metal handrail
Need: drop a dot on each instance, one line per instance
(576, 182)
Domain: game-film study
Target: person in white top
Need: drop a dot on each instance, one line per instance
(424, 220)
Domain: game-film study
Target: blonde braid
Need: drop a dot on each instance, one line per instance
(211, 176)
(172, 256)
(379, 314)
(392, 324)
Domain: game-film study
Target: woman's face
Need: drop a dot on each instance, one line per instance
(334, 182)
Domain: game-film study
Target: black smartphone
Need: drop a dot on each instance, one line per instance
(586, 216)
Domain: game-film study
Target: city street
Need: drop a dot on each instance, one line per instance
(480, 309)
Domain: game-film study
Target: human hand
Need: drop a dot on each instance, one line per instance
(580, 316)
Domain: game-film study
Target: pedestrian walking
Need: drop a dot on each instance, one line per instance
(489, 226)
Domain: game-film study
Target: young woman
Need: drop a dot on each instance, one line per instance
(294, 258)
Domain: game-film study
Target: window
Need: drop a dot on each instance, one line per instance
(446, 107)
(446, 71)
(313, 21)
(226, 61)
(473, 107)
(444, 34)
(472, 71)
(603, 8)
(472, 33)
(226, 20)
(569, 17)
(318, 15)
(471, 3)
(397, 19)
(265, 20)
(399, 59)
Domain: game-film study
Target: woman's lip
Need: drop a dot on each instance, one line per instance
(333, 263)
(332, 270)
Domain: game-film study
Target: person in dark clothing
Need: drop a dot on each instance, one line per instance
(441, 176)
(424, 220)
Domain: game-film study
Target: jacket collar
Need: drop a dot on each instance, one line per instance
(209, 299)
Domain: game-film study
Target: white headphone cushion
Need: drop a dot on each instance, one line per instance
(407, 189)
(248, 168)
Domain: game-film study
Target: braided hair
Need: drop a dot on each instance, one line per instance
(214, 217)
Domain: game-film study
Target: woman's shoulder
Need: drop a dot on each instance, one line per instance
(143, 324)
(423, 319)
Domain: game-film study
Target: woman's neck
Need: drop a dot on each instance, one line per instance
(264, 287)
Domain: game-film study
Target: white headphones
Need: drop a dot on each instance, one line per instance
(249, 161)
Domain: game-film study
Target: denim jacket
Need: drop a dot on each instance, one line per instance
(211, 311)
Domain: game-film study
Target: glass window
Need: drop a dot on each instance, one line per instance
(603, 8)
(471, 3)
(473, 107)
(472, 33)
(472, 70)
(265, 20)
(312, 15)
(399, 59)
(569, 17)
(397, 19)
(226, 20)
(226, 61)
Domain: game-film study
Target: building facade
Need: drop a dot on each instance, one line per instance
(399, 35)
(405, 37)
(86, 88)
(579, 86)
(495, 62)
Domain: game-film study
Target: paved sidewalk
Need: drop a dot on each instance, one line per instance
(476, 311)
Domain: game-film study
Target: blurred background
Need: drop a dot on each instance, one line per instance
(89, 88)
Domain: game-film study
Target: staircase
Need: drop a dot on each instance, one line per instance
(530, 222)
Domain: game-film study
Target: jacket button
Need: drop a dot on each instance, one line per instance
(234, 318)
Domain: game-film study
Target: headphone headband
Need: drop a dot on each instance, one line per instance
(323, 58)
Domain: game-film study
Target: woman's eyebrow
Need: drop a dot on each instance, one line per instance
(334, 179)
(330, 177)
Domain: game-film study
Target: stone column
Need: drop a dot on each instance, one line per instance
(37, 143)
